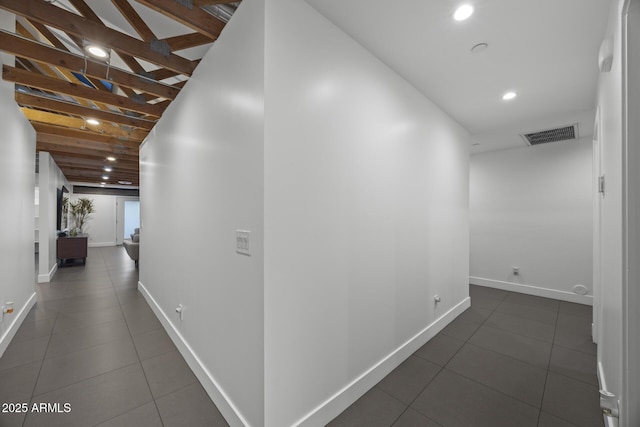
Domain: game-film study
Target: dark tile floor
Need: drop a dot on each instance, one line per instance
(509, 360)
(93, 342)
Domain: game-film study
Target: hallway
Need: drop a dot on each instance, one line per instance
(93, 342)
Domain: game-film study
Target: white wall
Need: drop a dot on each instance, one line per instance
(17, 174)
(531, 207)
(102, 225)
(355, 189)
(366, 217)
(201, 172)
(50, 180)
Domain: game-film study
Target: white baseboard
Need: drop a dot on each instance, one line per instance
(333, 406)
(226, 407)
(46, 278)
(344, 398)
(17, 321)
(532, 290)
(101, 244)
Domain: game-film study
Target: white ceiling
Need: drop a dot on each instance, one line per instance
(545, 50)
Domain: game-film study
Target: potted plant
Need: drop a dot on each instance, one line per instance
(81, 211)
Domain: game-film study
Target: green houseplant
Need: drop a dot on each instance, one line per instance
(81, 211)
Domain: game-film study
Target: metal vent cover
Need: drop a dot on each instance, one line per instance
(552, 135)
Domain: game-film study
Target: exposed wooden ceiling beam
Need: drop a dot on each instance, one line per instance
(51, 38)
(72, 150)
(92, 172)
(33, 50)
(117, 151)
(122, 167)
(27, 100)
(163, 73)
(104, 128)
(201, 3)
(134, 19)
(93, 180)
(73, 172)
(88, 13)
(77, 90)
(187, 41)
(54, 16)
(48, 129)
(195, 18)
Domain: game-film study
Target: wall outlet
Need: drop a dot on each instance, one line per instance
(516, 271)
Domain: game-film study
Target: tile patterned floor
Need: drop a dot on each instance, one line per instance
(509, 360)
(93, 342)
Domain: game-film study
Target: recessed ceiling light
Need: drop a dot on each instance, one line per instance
(93, 122)
(97, 51)
(509, 95)
(124, 182)
(107, 169)
(111, 159)
(105, 177)
(463, 12)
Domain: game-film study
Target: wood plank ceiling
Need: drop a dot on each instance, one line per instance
(153, 46)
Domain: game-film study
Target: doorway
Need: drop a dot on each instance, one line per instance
(127, 217)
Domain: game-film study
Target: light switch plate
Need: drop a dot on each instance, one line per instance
(243, 242)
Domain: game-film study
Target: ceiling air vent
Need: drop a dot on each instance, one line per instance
(552, 135)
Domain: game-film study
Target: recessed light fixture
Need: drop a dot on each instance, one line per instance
(463, 12)
(111, 159)
(509, 95)
(124, 182)
(102, 183)
(96, 51)
(93, 122)
(105, 177)
(107, 169)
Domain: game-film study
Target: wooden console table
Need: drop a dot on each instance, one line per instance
(72, 248)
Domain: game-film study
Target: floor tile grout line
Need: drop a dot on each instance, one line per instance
(441, 368)
(44, 354)
(546, 377)
(144, 373)
(480, 384)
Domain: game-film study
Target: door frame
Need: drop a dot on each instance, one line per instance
(120, 216)
(630, 409)
(596, 326)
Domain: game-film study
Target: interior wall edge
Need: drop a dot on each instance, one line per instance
(224, 404)
(46, 278)
(340, 401)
